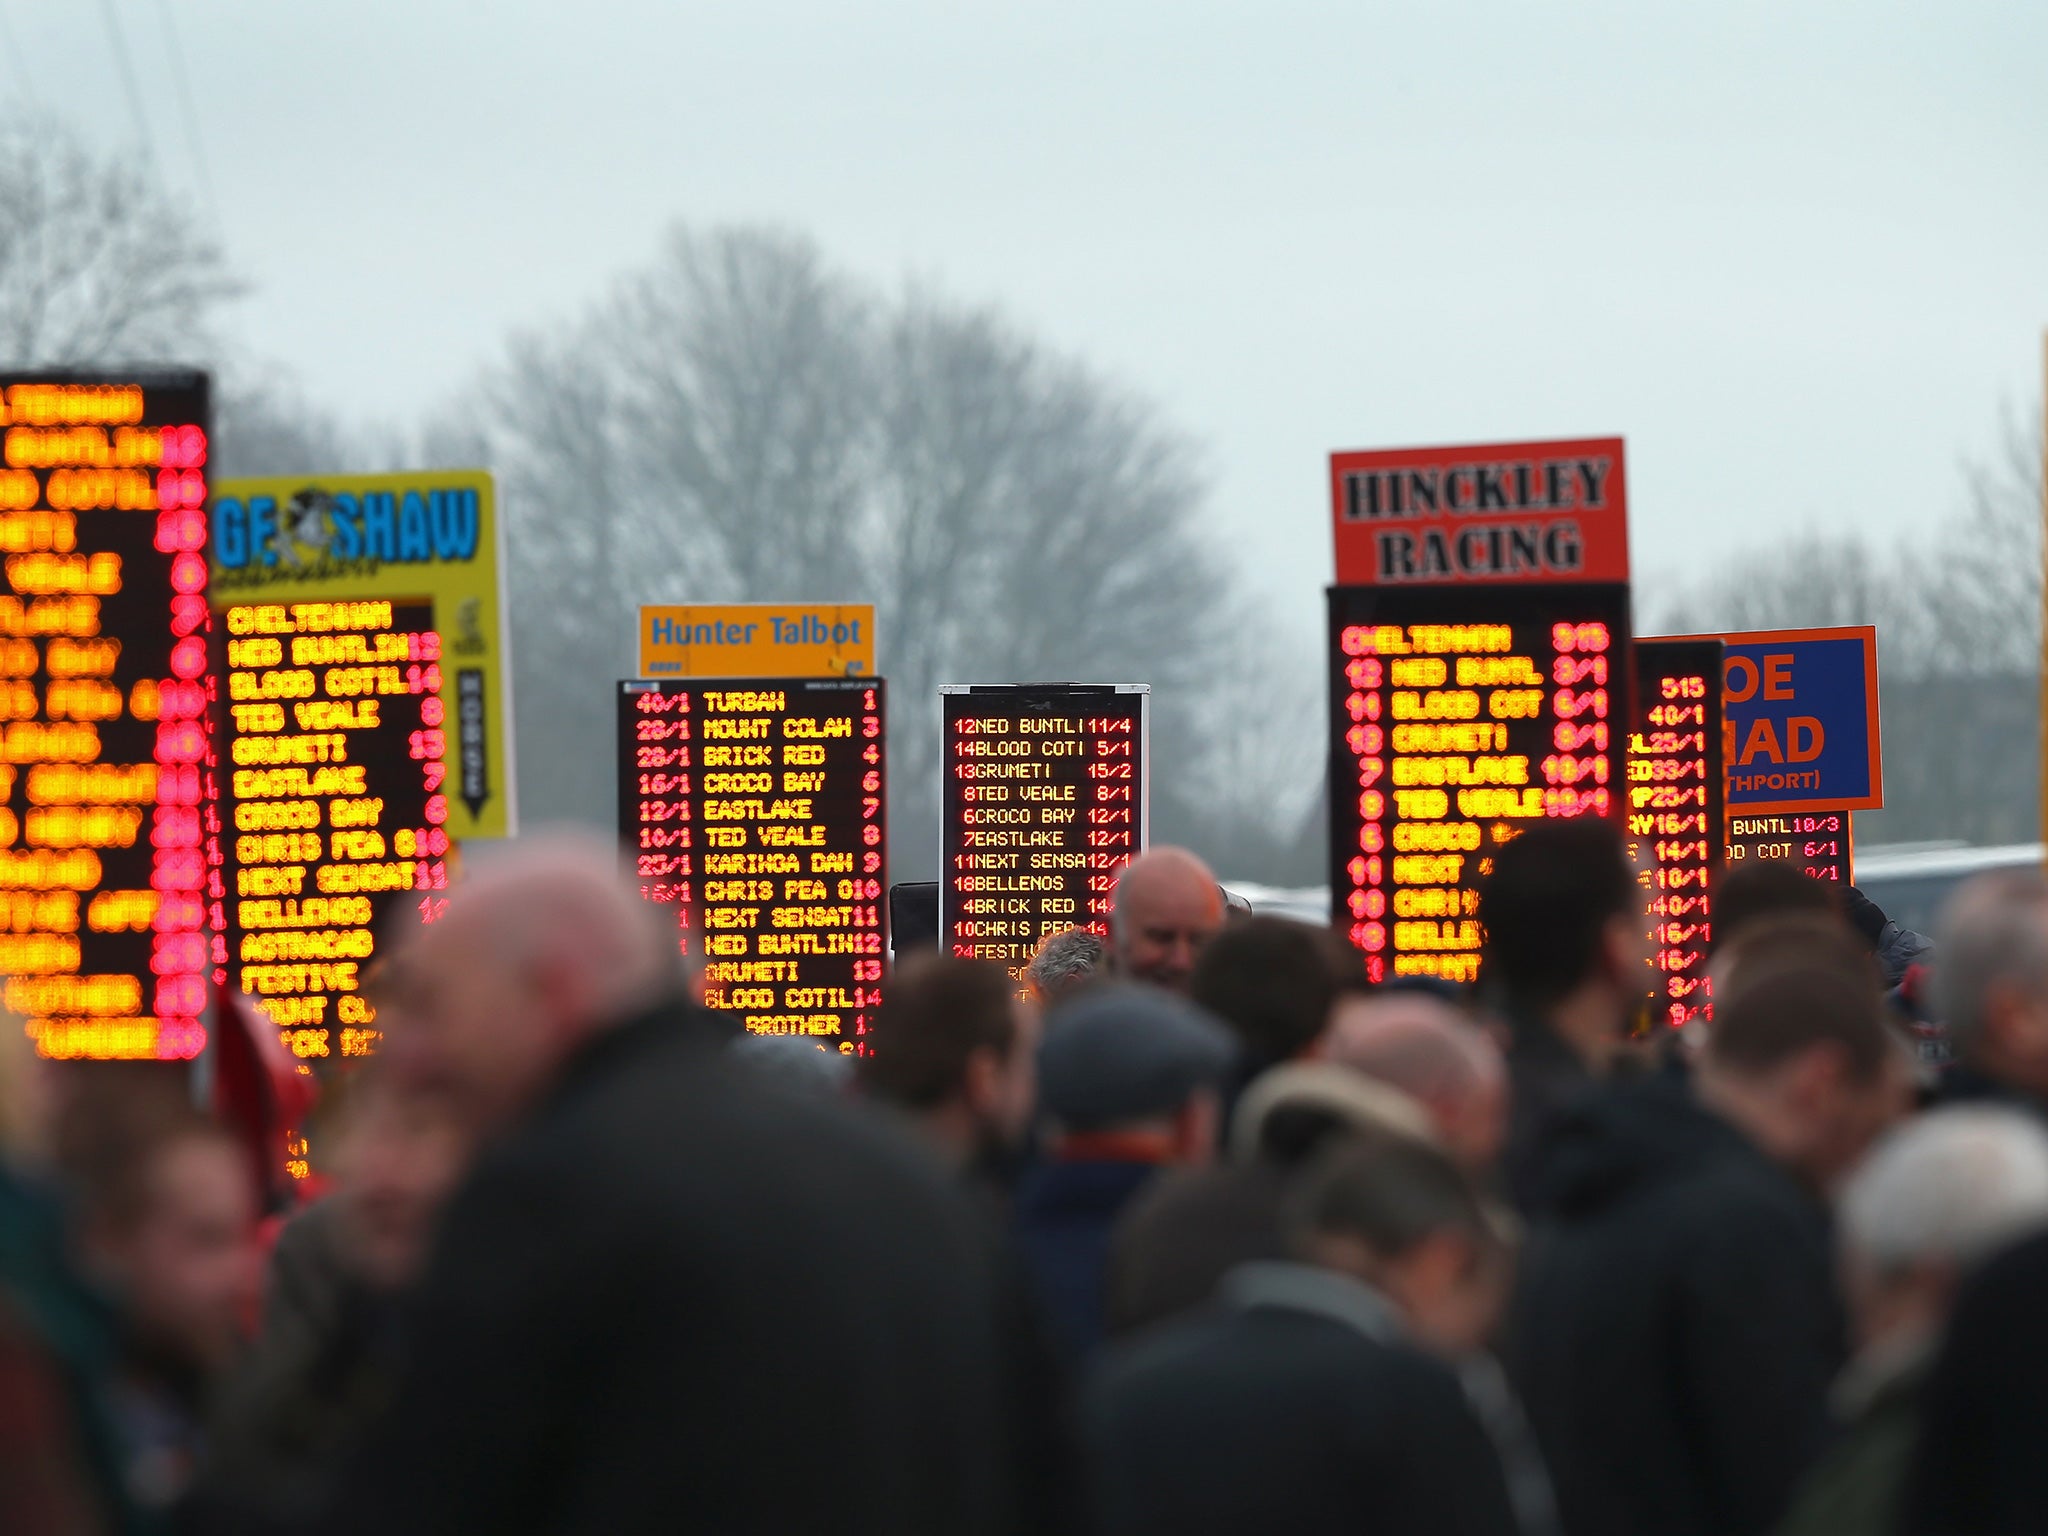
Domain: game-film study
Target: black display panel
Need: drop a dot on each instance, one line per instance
(753, 810)
(109, 839)
(1043, 801)
(1458, 716)
(333, 797)
(1820, 842)
(1676, 820)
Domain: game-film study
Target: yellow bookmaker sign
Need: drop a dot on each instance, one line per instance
(427, 537)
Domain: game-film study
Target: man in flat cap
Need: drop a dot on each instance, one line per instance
(1129, 1079)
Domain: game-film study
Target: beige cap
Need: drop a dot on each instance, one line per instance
(1351, 1096)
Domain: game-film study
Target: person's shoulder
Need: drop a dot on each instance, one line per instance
(1182, 1196)
(1745, 1213)
(1746, 1186)
(309, 1275)
(1228, 1341)
(1425, 1385)
(1166, 1350)
(664, 1079)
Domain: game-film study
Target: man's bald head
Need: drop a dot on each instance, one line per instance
(1434, 1054)
(543, 947)
(1168, 907)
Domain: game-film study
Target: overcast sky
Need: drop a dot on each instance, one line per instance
(1797, 254)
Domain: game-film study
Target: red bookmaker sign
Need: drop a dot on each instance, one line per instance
(1495, 513)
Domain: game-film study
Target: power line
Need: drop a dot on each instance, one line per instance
(183, 82)
(127, 68)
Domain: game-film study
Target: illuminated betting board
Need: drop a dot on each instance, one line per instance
(754, 810)
(106, 829)
(1043, 801)
(332, 796)
(1675, 814)
(1458, 716)
(1820, 842)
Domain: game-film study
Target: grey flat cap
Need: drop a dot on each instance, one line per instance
(1117, 1054)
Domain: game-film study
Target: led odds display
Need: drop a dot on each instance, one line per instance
(754, 810)
(1675, 816)
(1819, 842)
(1042, 802)
(334, 799)
(1457, 717)
(106, 830)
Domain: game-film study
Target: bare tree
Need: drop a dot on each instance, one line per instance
(264, 426)
(742, 422)
(551, 421)
(98, 264)
(1247, 791)
(745, 390)
(1959, 648)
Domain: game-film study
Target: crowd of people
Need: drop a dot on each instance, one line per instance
(1186, 1228)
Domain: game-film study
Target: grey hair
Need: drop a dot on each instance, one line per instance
(1994, 932)
(1064, 959)
(1950, 1187)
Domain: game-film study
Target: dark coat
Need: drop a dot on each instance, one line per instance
(1965, 1083)
(1184, 1233)
(297, 1408)
(1980, 1467)
(1546, 1081)
(1676, 1328)
(1857, 1488)
(1066, 1212)
(59, 1340)
(1304, 1416)
(680, 1298)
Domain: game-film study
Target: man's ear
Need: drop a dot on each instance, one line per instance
(1817, 1073)
(1445, 1257)
(554, 983)
(1624, 949)
(2011, 1019)
(979, 1076)
(1196, 1126)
